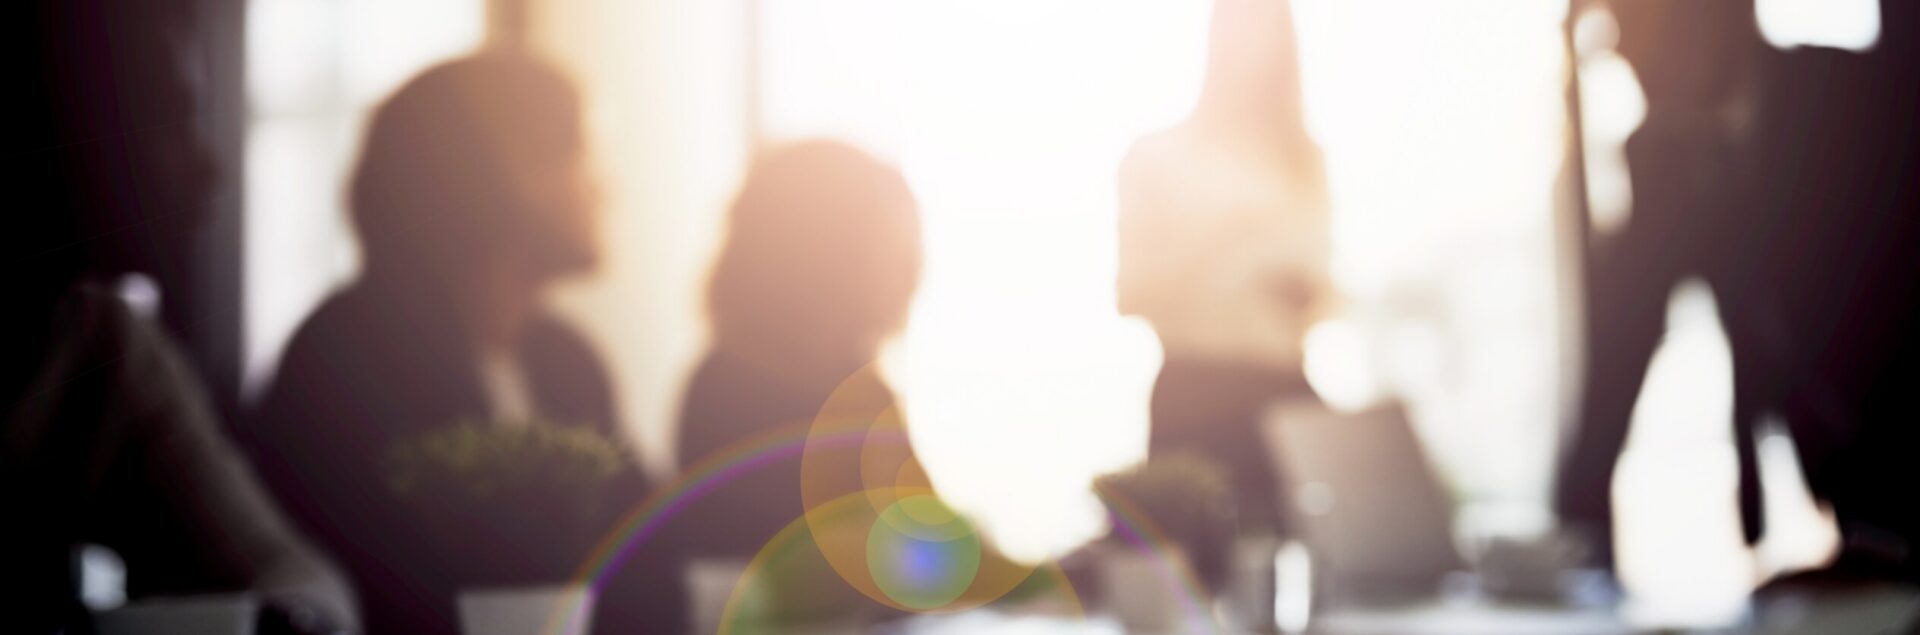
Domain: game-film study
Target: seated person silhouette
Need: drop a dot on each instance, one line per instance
(819, 267)
(470, 200)
(107, 435)
(820, 263)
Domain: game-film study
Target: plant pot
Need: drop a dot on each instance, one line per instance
(543, 610)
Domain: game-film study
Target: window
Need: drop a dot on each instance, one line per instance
(1021, 379)
(315, 69)
(1444, 128)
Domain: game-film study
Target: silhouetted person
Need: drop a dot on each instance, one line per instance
(1783, 178)
(1224, 250)
(821, 260)
(1688, 163)
(471, 198)
(1840, 156)
(106, 435)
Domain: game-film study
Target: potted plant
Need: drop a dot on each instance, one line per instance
(511, 509)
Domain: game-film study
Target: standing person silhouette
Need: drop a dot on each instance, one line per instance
(1783, 178)
(1842, 151)
(1687, 162)
(1224, 250)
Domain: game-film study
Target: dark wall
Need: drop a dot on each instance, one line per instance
(204, 304)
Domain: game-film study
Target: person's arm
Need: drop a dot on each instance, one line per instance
(184, 509)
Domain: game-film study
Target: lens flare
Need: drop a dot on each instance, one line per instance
(920, 565)
(872, 520)
(914, 553)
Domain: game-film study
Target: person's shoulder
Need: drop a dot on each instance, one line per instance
(549, 334)
(336, 320)
(103, 331)
(725, 384)
(104, 351)
(335, 338)
(92, 316)
(556, 348)
(1148, 153)
(1157, 161)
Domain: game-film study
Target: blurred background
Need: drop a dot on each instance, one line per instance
(1445, 128)
(1476, 166)
(1010, 123)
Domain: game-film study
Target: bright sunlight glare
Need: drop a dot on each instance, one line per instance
(1010, 119)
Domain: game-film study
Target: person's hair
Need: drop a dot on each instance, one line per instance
(822, 251)
(433, 188)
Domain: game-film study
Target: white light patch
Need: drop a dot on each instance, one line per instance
(1853, 25)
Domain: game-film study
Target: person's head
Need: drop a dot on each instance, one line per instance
(107, 165)
(1252, 98)
(477, 169)
(821, 259)
(1253, 63)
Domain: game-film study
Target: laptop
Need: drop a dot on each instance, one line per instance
(1369, 505)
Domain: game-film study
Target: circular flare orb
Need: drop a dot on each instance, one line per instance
(919, 565)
